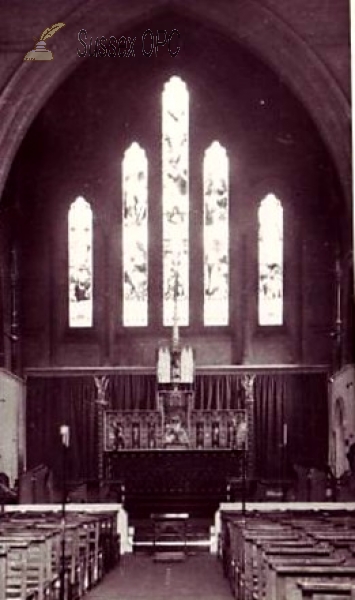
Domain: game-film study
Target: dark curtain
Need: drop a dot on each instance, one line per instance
(132, 391)
(218, 392)
(52, 402)
(269, 400)
(306, 411)
(297, 399)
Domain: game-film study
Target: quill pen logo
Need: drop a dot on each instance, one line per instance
(40, 51)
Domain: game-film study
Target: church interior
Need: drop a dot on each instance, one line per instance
(177, 318)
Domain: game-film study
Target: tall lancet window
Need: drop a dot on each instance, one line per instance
(80, 236)
(135, 236)
(270, 261)
(216, 235)
(175, 114)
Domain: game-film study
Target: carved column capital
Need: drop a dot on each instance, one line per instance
(101, 382)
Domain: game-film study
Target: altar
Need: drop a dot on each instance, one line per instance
(175, 457)
(173, 479)
(174, 422)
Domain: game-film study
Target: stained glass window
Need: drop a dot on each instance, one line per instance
(80, 233)
(216, 235)
(270, 261)
(175, 115)
(135, 236)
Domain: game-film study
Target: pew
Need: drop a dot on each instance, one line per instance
(3, 566)
(283, 583)
(16, 571)
(36, 578)
(33, 555)
(267, 554)
(248, 575)
(299, 549)
(326, 590)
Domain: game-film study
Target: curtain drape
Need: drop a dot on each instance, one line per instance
(132, 391)
(52, 402)
(296, 399)
(219, 392)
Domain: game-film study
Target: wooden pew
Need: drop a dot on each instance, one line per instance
(296, 550)
(255, 546)
(282, 584)
(311, 557)
(16, 572)
(312, 590)
(247, 569)
(3, 559)
(36, 536)
(81, 551)
(37, 576)
(91, 547)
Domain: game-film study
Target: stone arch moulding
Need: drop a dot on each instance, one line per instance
(248, 23)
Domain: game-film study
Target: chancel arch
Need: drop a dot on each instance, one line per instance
(238, 145)
(320, 92)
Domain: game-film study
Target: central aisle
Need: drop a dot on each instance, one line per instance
(138, 577)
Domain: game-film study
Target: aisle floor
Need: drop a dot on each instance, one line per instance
(138, 577)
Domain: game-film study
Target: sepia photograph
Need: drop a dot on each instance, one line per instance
(177, 315)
